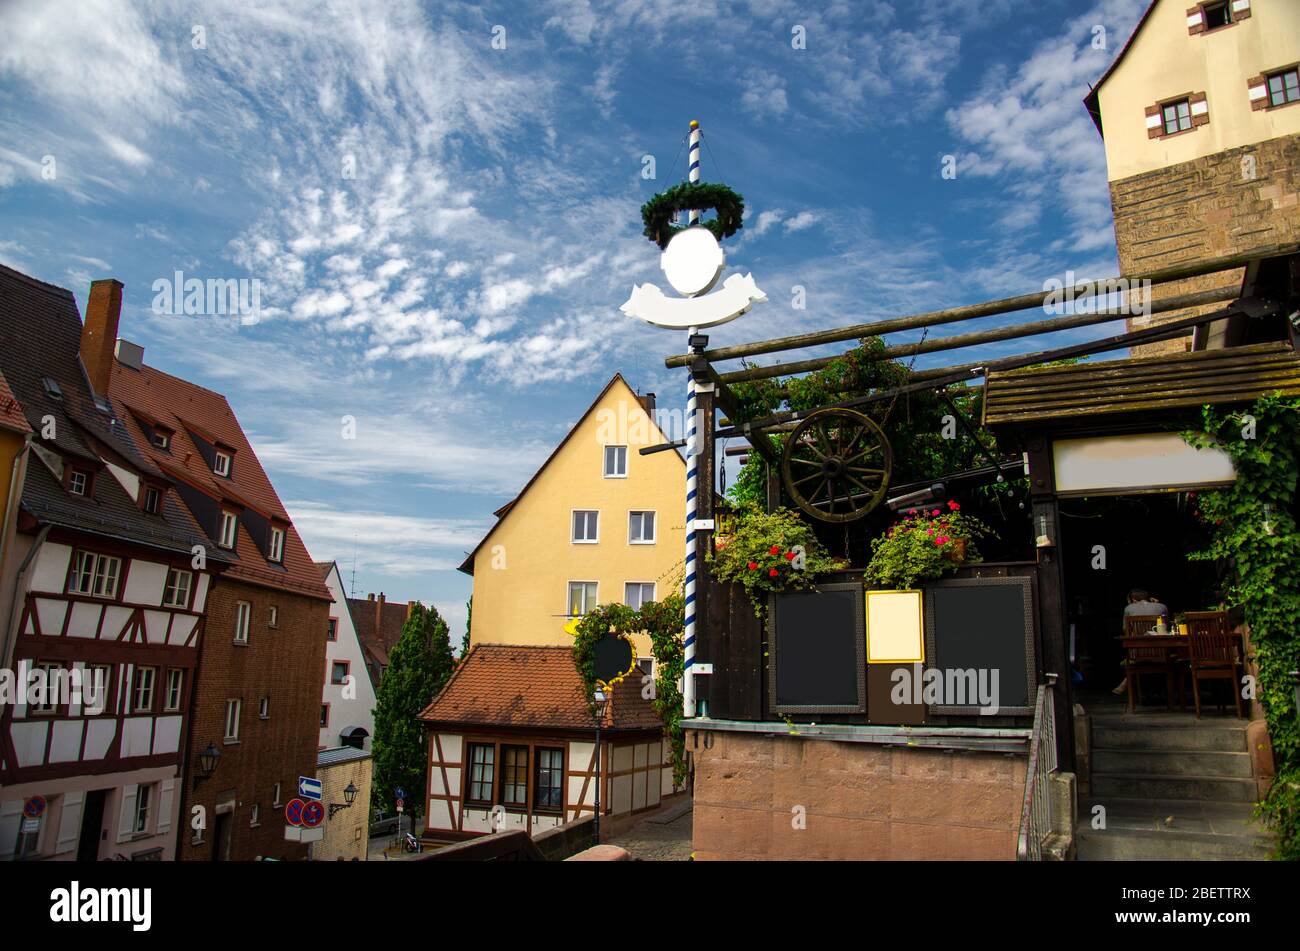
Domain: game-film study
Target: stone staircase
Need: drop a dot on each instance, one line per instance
(1173, 788)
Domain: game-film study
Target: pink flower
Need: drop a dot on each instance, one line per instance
(940, 540)
(935, 512)
(929, 531)
(944, 539)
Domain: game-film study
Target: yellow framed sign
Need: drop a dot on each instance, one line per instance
(895, 627)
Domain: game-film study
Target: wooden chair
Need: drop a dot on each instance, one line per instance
(1215, 654)
(1146, 659)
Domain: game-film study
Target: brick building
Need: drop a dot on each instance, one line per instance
(347, 830)
(1200, 113)
(262, 661)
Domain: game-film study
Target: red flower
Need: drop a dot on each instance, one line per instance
(941, 540)
(789, 556)
(772, 572)
(935, 512)
(954, 506)
(753, 566)
(776, 549)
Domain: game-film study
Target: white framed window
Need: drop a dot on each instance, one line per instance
(277, 544)
(175, 689)
(95, 575)
(586, 527)
(143, 802)
(641, 528)
(49, 699)
(95, 691)
(176, 592)
(163, 440)
(274, 619)
(582, 597)
(637, 593)
(221, 463)
(243, 613)
(232, 720)
(254, 814)
(229, 529)
(264, 708)
(77, 482)
(152, 500)
(616, 462)
(142, 696)
(275, 796)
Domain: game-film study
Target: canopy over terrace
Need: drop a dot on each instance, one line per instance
(1258, 325)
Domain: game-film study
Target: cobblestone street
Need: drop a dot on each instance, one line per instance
(665, 837)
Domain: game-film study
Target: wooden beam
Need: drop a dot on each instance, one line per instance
(1005, 305)
(975, 338)
(947, 376)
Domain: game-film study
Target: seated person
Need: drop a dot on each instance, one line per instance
(1140, 604)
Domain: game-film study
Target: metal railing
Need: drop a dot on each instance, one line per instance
(1036, 819)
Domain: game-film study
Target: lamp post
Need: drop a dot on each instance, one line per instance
(207, 764)
(349, 797)
(599, 701)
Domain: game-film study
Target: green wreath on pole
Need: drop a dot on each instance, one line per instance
(658, 211)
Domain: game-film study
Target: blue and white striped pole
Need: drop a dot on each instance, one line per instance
(692, 479)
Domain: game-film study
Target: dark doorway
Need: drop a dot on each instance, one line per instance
(92, 826)
(1145, 541)
(221, 837)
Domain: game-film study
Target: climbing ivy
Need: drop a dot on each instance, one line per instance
(664, 621)
(1254, 530)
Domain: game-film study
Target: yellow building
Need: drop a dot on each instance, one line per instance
(1200, 114)
(598, 523)
(14, 436)
(347, 830)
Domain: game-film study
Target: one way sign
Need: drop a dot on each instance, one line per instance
(309, 788)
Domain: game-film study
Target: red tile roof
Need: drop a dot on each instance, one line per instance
(11, 414)
(379, 625)
(188, 409)
(502, 685)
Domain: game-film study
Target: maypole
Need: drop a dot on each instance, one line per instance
(692, 475)
(693, 261)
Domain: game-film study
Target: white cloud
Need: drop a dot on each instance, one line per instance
(800, 221)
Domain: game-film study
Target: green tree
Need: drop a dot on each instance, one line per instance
(418, 667)
(464, 641)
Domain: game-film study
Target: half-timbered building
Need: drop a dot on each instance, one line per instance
(102, 588)
(512, 745)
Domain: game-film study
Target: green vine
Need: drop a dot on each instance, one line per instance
(1254, 522)
(657, 213)
(664, 622)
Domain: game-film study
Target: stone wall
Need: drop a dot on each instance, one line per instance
(787, 797)
(1225, 203)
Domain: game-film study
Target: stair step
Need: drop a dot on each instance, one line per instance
(1171, 763)
(1146, 786)
(1135, 845)
(1114, 733)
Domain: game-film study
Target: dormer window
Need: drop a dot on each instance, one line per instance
(151, 501)
(52, 387)
(161, 439)
(229, 529)
(221, 464)
(277, 544)
(78, 482)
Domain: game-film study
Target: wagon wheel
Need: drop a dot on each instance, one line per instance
(836, 465)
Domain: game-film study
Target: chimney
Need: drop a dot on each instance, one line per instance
(130, 354)
(410, 606)
(379, 616)
(648, 404)
(99, 332)
(370, 596)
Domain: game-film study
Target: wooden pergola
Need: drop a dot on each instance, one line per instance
(1269, 295)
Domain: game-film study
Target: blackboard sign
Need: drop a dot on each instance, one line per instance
(817, 646)
(973, 627)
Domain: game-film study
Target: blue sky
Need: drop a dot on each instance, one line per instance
(444, 230)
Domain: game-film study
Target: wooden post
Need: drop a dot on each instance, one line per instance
(1055, 641)
(706, 410)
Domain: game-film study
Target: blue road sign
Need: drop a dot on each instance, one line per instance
(312, 814)
(309, 788)
(399, 793)
(293, 812)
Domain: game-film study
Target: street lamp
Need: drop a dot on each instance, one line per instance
(599, 702)
(349, 797)
(207, 764)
